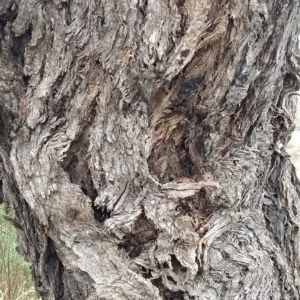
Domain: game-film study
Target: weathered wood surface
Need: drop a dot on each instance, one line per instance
(293, 146)
(142, 146)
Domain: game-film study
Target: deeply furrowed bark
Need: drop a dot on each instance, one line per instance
(142, 146)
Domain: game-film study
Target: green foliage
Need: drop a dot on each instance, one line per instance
(15, 277)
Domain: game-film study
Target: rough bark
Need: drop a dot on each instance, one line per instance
(142, 146)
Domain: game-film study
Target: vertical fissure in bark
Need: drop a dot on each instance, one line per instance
(76, 165)
(53, 270)
(183, 18)
(19, 44)
(66, 6)
(173, 152)
(1, 190)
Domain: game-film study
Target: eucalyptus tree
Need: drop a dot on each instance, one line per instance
(142, 146)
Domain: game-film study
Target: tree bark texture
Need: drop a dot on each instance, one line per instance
(142, 146)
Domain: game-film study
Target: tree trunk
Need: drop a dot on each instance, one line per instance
(142, 146)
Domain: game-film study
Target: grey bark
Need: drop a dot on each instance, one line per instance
(142, 146)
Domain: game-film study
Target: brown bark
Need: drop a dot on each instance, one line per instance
(142, 146)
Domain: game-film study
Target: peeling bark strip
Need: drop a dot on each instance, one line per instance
(141, 146)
